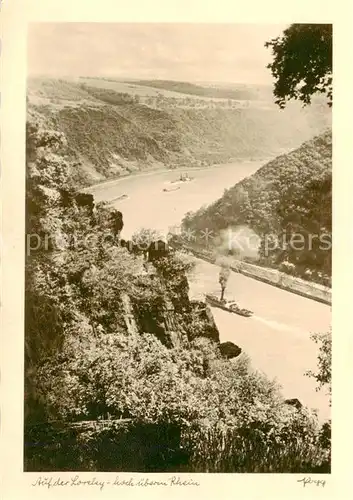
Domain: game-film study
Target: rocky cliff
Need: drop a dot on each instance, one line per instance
(171, 315)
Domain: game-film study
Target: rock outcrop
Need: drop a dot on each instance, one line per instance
(202, 323)
(229, 350)
(170, 314)
(294, 402)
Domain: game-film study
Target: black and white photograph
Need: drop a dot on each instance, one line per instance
(178, 248)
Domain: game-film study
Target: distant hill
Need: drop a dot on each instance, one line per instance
(112, 133)
(287, 204)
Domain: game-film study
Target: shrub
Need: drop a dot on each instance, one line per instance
(231, 419)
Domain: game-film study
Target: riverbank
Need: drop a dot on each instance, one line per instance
(272, 277)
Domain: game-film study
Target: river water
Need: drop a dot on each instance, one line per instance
(277, 337)
(149, 206)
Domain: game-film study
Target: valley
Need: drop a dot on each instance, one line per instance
(277, 337)
(114, 128)
(120, 346)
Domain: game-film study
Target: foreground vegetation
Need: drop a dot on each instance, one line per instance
(98, 349)
(302, 63)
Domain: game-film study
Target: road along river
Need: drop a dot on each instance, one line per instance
(277, 337)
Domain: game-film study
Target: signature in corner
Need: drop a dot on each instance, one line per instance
(309, 480)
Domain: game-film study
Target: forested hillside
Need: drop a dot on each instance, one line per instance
(111, 335)
(111, 133)
(287, 203)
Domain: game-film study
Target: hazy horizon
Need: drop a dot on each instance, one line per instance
(197, 53)
(128, 79)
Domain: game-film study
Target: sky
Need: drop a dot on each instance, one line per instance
(187, 52)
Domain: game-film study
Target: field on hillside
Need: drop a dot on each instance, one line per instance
(238, 92)
(174, 92)
(62, 88)
(139, 88)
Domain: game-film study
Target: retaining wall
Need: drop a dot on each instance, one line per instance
(273, 277)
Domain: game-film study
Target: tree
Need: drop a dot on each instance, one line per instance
(324, 380)
(302, 64)
(323, 374)
(145, 236)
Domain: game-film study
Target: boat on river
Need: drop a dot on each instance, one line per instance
(182, 178)
(227, 305)
(120, 197)
(167, 190)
